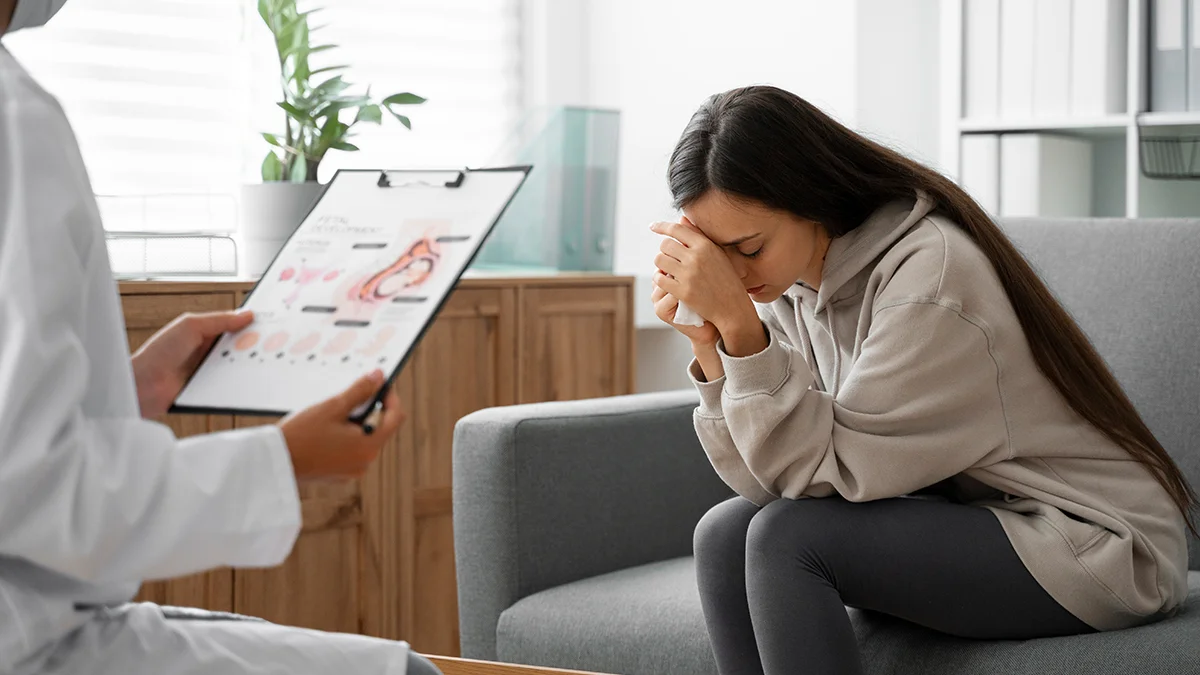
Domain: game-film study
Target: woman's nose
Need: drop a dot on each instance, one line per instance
(739, 266)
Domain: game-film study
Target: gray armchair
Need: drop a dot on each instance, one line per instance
(578, 516)
(573, 521)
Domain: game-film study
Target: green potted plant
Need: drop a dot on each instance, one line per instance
(320, 113)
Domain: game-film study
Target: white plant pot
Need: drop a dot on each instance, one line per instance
(270, 212)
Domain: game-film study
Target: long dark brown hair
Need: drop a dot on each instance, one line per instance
(773, 147)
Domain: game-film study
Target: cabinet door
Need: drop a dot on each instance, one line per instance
(318, 585)
(464, 363)
(145, 314)
(576, 342)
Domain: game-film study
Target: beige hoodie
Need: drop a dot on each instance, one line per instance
(907, 370)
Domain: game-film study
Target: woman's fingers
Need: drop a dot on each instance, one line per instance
(673, 249)
(688, 236)
(664, 307)
(665, 282)
(668, 265)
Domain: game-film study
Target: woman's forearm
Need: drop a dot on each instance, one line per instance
(709, 360)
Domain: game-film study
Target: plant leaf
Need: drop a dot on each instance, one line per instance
(369, 113)
(343, 145)
(328, 69)
(321, 48)
(332, 131)
(299, 170)
(272, 168)
(273, 140)
(403, 120)
(403, 99)
(331, 87)
(340, 103)
(264, 10)
(295, 112)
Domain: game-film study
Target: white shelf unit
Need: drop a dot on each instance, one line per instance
(1119, 188)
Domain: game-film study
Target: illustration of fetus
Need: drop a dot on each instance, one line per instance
(364, 296)
(410, 270)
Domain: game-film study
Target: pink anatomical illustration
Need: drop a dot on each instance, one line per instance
(276, 341)
(306, 344)
(378, 341)
(246, 341)
(304, 275)
(411, 269)
(340, 343)
(359, 298)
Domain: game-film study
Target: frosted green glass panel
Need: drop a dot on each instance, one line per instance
(563, 218)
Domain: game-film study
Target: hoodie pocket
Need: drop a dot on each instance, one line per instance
(1080, 534)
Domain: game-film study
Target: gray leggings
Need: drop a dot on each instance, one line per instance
(774, 582)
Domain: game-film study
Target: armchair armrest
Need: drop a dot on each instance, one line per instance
(550, 493)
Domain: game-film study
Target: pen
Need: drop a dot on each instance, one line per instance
(372, 421)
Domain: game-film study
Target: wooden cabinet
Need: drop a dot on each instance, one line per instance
(376, 556)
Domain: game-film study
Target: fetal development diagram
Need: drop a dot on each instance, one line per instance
(341, 295)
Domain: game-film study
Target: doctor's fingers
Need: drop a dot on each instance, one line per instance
(393, 416)
(363, 389)
(212, 324)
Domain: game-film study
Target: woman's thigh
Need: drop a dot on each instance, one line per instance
(942, 565)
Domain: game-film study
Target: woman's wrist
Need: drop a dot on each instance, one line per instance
(744, 335)
(709, 360)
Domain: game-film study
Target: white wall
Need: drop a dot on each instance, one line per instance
(657, 61)
(897, 78)
(869, 63)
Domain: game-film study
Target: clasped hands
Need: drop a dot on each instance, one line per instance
(693, 269)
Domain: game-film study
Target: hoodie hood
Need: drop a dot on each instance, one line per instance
(852, 252)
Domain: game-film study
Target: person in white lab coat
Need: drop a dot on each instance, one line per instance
(94, 496)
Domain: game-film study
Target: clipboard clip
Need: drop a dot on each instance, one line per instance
(385, 181)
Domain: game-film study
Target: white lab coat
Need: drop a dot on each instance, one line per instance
(94, 499)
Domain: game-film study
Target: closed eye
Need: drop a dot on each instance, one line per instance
(753, 254)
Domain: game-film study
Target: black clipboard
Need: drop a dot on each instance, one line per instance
(388, 179)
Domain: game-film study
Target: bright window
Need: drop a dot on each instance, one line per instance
(168, 97)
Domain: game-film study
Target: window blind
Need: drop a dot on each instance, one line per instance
(461, 55)
(168, 97)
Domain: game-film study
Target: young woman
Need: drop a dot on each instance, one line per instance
(913, 423)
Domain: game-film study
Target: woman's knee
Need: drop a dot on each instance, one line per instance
(790, 532)
(721, 533)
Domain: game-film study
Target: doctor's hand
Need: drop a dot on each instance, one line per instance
(165, 362)
(325, 445)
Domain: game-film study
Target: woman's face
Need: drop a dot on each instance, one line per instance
(770, 250)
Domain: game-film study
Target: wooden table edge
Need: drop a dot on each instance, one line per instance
(457, 666)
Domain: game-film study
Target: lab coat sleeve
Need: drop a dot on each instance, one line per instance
(105, 498)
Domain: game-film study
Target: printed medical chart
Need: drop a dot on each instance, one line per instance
(353, 289)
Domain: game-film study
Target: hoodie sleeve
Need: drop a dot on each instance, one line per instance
(711, 428)
(921, 403)
(104, 497)
(718, 444)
